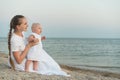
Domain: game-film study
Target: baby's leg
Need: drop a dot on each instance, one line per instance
(27, 65)
(35, 65)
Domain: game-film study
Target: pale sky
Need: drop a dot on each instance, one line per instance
(65, 18)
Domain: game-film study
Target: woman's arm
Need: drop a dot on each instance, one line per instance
(20, 57)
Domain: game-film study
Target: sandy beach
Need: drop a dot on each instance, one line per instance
(76, 74)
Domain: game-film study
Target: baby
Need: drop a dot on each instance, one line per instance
(34, 53)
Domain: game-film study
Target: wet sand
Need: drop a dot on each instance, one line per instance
(76, 74)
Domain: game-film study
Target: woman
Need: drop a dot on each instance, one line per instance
(18, 50)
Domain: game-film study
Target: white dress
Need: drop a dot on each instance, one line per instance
(35, 51)
(46, 65)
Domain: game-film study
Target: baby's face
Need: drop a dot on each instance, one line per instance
(38, 29)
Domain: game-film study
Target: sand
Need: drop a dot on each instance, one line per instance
(76, 74)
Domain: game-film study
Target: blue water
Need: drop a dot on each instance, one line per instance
(98, 54)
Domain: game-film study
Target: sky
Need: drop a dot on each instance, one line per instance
(65, 18)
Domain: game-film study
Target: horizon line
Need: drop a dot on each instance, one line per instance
(82, 37)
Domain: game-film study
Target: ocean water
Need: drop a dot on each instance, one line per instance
(86, 53)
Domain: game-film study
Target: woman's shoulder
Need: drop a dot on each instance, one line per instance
(15, 37)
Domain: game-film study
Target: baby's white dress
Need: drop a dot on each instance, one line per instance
(35, 51)
(46, 64)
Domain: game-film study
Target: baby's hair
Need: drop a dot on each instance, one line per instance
(34, 25)
(14, 22)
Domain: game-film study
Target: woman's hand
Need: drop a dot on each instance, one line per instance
(32, 43)
(20, 57)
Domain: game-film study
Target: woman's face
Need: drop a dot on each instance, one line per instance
(23, 26)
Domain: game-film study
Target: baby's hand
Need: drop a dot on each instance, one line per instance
(43, 38)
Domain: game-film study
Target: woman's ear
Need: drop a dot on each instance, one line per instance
(18, 27)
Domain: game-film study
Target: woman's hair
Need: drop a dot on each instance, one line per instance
(14, 22)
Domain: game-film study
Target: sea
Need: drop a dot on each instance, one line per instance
(102, 54)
